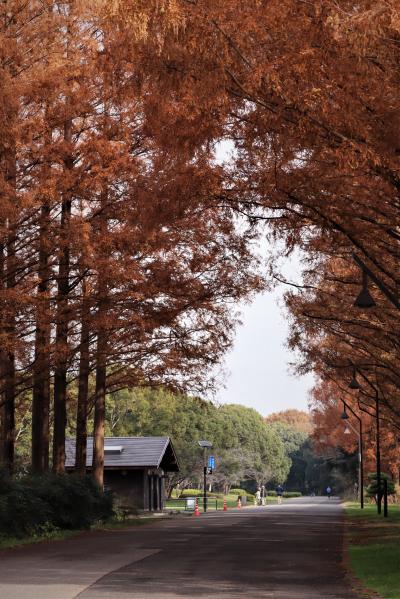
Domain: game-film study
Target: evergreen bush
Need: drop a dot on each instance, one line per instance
(372, 489)
(191, 492)
(238, 492)
(36, 503)
(291, 494)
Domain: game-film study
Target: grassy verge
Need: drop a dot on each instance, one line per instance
(59, 535)
(55, 535)
(374, 548)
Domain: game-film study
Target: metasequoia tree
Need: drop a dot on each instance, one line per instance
(336, 336)
(315, 127)
(121, 247)
(330, 430)
(21, 26)
(311, 95)
(127, 264)
(338, 341)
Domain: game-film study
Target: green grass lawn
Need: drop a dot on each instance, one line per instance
(374, 548)
(213, 504)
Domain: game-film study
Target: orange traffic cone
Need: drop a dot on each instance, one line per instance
(225, 505)
(196, 509)
(239, 503)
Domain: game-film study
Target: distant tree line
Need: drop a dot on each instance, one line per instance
(245, 448)
(313, 465)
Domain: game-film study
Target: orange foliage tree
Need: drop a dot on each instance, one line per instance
(120, 244)
(117, 258)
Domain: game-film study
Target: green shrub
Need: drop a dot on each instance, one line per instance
(291, 494)
(79, 502)
(271, 493)
(33, 504)
(372, 488)
(238, 492)
(191, 492)
(21, 511)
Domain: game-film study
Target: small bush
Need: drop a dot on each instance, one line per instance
(191, 492)
(271, 493)
(22, 512)
(291, 494)
(35, 504)
(372, 488)
(238, 492)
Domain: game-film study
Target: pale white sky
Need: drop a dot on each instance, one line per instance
(258, 371)
(257, 368)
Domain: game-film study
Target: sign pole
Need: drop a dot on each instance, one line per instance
(205, 483)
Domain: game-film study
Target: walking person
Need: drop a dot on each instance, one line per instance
(328, 491)
(257, 497)
(279, 492)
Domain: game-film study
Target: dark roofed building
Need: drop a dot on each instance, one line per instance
(134, 468)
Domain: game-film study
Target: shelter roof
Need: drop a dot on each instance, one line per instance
(129, 452)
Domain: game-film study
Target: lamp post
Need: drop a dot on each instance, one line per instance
(354, 384)
(205, 445)
(359, 433)
(364, 300)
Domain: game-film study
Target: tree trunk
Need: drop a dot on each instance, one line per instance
(101, 351)
(62, 319)
(7, 373)
(83, 385)
(9, 322)
(61, 358)
(8, 415)
(99, 410)
(3, 452)
(41, 366)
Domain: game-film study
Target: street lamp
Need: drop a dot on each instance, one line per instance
(346, 417)
(377, 426)
(205, 445)
(364, 298)
(354, 384)
(363, 301)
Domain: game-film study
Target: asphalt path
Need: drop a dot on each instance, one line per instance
(288, 551)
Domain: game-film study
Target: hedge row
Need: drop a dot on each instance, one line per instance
(191, 493)
(199, 493)
(291, 494)
(250, 496)
(238, 492)
(287, 494)
(33, 505)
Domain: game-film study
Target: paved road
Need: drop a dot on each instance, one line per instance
(292, 551)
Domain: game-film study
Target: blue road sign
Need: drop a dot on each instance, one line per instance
(211, 462)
